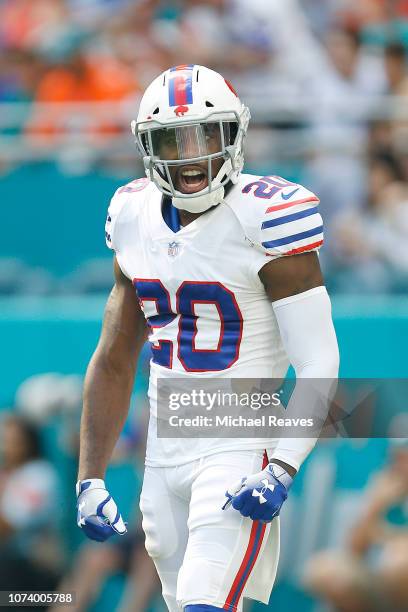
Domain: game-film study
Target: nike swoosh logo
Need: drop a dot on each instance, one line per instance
(287, 196)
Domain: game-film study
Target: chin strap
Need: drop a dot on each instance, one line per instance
(200, 203)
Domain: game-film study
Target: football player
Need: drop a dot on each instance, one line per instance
(220, 270)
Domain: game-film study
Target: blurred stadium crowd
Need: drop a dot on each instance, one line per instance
(38, 536)
(327, 84)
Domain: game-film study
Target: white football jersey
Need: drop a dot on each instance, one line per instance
(199, 288)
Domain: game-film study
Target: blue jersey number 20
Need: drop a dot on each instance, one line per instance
(188, 295)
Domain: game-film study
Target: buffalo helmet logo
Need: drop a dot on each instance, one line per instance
(181, 110)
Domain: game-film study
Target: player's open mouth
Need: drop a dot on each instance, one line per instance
(190, 179)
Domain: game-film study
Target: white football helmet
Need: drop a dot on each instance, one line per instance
(190, 115)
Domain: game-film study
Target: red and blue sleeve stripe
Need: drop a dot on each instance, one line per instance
(292, 233)
(301, 214)
(181, 85)
(293, 238)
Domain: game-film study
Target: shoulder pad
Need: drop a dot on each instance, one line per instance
(277, 216)
(125, 205)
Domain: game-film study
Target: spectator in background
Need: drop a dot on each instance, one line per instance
(28, 24)
(371, 248)
(28, 509)
(94, 564)
(384, 21)
(397, 75)
(371, 576)
(219, 41)
(272, 55)
(396, 69)
(141, 41)
(344, 92)
(377, 20)
(79, 79)
(20, 71)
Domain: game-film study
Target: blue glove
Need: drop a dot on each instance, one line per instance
(98, 515)
(260, 496)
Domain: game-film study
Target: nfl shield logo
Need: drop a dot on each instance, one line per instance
(174, 249)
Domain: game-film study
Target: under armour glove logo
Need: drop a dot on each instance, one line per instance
(260, 496)
(260, 493)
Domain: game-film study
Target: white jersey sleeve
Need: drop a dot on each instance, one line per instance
(278, 217)
(117, 208)
(123, 209)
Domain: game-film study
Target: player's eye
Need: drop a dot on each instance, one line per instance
(211, 130)
(168, 138)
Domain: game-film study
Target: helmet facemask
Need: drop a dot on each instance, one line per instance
(181, 154)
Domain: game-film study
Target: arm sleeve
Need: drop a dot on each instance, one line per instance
(308, 335)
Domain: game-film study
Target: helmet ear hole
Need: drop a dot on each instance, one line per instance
(156, 111)
(209, 104)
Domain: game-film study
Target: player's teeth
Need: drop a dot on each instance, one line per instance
(191, 172)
